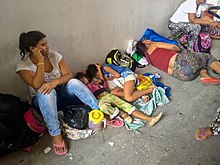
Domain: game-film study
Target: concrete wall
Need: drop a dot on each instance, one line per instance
(84, 31)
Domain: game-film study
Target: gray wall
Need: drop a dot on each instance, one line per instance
(84, 31)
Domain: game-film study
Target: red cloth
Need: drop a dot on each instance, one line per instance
(95, 87)
(160, 58)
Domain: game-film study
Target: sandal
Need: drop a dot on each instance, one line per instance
(117, 122)
(210, 81)
(63, 146)
(126, 118)
(203, 133)
(154, 120)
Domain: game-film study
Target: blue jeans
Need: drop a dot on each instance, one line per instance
(73, 92)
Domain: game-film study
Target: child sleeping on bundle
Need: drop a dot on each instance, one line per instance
(108, 103)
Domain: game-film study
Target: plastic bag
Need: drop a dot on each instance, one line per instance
(76, 116)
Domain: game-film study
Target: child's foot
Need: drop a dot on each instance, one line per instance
(154, 120)
(145, 98)
(126, 117)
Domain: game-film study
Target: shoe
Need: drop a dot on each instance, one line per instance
(116, 112)
(60, 146)
(203, 133)
(117, 122)
(154, 120)
(210, 81)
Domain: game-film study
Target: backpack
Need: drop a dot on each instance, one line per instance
(35, 120)
(203, 42)
(119, 58)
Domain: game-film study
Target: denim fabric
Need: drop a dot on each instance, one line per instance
(72, 93)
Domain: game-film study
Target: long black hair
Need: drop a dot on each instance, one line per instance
(28, 39)
(91, 71)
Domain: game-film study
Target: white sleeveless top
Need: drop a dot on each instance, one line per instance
(54, 58)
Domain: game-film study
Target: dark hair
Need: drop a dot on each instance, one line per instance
(91, 71)
(140, 48)
(80, 75)
(28, 39)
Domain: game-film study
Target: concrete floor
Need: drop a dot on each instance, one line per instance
(170, 142)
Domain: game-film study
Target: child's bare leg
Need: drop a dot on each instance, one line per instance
(141, 115)
(151, 120)
(131, 95)
(125, 117)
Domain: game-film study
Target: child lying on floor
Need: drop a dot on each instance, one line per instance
(111, 104)
(128, 78)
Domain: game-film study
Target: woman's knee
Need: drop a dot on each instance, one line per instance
(75, 83)
(46, 96)
(47, 102)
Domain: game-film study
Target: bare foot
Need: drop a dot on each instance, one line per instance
(145, 98)
(154, 120)
(125, 117)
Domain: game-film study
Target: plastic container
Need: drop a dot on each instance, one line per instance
(95, 119)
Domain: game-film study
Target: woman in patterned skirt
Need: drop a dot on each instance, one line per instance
(185, 66)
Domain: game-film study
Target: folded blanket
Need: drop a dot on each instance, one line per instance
(150, 34)
(157, 98)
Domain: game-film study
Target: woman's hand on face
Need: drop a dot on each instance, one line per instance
(47, 87)
(36, 52)
(146, 42)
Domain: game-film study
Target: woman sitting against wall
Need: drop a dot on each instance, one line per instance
(185, 66)
(51, 84)
(188, 19)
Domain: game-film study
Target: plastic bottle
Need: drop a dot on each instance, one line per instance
(95, 119)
